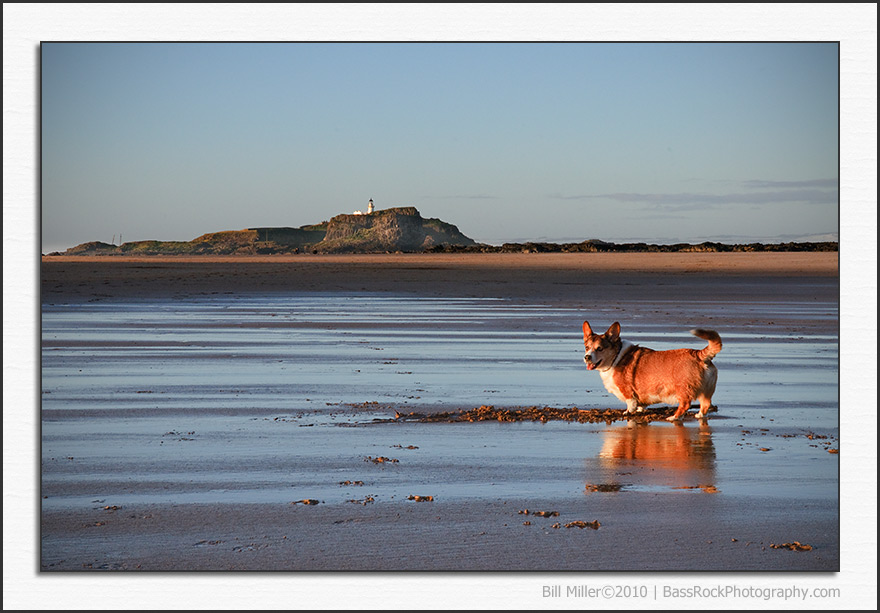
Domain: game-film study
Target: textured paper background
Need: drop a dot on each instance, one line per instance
(25, 25)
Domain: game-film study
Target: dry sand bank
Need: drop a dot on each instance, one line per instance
(552, 276)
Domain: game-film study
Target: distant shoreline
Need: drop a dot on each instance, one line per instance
(60, 256)
(194, 249)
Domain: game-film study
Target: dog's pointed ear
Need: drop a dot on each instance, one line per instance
(588, 331)
(614, 331)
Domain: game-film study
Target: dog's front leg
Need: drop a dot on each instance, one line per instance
(680, 412)
(632, 405)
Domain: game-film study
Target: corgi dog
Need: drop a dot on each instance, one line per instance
(640, 376)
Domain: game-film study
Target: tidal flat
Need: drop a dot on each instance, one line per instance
(219, 417)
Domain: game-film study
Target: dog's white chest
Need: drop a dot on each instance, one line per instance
(608, 375)
(610, 385)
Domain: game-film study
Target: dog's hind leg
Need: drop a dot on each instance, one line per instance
(705, 405)
(683, 406)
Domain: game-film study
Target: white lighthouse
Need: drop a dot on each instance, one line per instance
(370, 207)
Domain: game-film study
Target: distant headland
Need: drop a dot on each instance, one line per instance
(393, 230)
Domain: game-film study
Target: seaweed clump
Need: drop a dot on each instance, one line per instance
(542, 414)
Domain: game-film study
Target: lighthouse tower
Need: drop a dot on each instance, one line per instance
(370, 207)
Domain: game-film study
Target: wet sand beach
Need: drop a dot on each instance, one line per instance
(270, 414)
(407, 430)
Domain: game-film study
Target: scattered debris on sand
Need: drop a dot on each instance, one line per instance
(180, 436)
(539, 513)
(347, 482)
(603, 487)
(380, 460)
(369, 404)
(556, 525)
(306, 501)
(250, 547)
(420, 498)
(819, 441)
(206, 543)
(709, 489)
(794, 546)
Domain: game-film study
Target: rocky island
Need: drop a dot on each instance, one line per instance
(394, 230)
(389, 230)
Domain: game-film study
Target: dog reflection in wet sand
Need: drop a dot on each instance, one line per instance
(677, 457)
(640, 376)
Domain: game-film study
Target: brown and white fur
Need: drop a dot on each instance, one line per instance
(640, 376)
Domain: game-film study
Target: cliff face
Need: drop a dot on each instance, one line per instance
(398, 229)
(292, 237)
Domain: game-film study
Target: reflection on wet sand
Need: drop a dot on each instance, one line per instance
(649, 456)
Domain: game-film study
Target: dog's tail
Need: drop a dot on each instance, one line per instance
(714, 346)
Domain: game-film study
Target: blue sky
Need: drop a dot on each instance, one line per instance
(509, 141)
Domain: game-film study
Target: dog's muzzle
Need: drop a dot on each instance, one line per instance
(589, 362)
